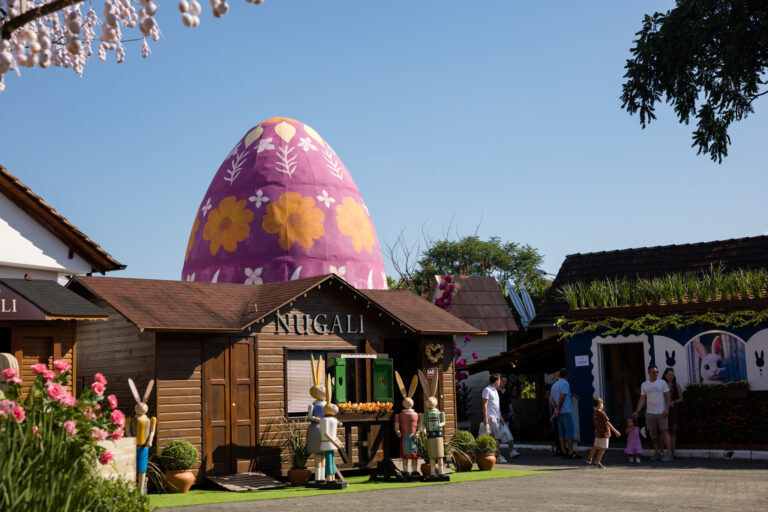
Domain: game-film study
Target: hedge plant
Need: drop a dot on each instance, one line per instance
(179, 454)
(485, 445)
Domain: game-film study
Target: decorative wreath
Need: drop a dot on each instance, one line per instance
(434, 352)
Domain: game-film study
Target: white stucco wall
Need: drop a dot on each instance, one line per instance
(28, 247)
(486, 346)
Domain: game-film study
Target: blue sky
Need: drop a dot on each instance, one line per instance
(449, 115)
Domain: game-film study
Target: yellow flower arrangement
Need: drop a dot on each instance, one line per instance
(354, 223)
(191, 242)
(372, 407)
(227, 224)
(295, 219)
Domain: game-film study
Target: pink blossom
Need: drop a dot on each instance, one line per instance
(60, 365)
(450, 288)
(98, 434)
(118, 418)
(6, 406)
(441, 286)
(36, 431)
(69, 426)
(474, 355)
(18, 414)
(49, 375)
(88, 413)
(97, 407)
(55, 391)
(467, 338)
(106, 458)
(461, 363)
(98, 388)
(9, 372)
(439, 302)
(100, 378)
(112, 399)
(67, 399)
(39, 367)
(15, 380)
(457, 351)
(117, 434)
(448, 279)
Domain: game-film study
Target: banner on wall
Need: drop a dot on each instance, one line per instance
(716, 357)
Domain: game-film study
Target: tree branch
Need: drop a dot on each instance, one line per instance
(33, 14)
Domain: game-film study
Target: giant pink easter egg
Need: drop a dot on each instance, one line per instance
(283, 206)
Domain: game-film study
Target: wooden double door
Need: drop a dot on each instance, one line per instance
(229, 405)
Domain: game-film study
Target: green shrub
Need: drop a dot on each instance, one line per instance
(485, 445)
(462, 440)
(179, 454)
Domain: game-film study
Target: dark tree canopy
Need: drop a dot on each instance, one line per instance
(706, 58)
(473, 256)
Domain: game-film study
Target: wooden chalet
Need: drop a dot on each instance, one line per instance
(231, 361)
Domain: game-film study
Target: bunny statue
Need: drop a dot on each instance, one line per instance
(315, 414)
(145, 432)
(406, 426)
(330, 442)
(433, 421)
(712, 369)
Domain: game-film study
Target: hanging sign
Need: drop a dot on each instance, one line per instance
(581, 361)
(15, 307)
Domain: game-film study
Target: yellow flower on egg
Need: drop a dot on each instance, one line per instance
(228, 224)
(295, 219)
(354, 223)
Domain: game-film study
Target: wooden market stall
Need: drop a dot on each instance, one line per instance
(232, 361)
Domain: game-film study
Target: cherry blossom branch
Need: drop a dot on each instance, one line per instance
(34, 14)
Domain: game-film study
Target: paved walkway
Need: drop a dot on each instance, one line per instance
(651, 486)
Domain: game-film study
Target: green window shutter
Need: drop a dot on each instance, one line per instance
(383, 389)
(339, 382)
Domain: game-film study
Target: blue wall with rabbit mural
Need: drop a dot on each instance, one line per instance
(613, 367)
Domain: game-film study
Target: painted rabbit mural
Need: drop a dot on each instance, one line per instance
(716, 357)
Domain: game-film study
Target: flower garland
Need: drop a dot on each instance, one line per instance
(651, 324)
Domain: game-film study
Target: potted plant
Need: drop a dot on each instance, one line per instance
(421, 447)
(178, 458)
(486, 447)
(461, 449)
(295, 439)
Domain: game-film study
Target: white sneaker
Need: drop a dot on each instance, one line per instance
(514, 454)
(502, 460)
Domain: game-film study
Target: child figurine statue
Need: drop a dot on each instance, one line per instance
(145, 432)
(433, 421)
(315, 414)
(330, 442)
(406, 426)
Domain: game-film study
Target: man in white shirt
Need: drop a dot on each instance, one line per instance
(492, 413)
(655, 395)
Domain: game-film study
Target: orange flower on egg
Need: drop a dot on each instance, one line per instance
(354, 223)
(192, 236)
(295, 219)
(227, 224)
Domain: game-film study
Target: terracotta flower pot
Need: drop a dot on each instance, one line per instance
(426, 469)
(463, 461)
(486, 461)
(299, 476)
(179, 480)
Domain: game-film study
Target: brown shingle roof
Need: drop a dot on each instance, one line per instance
(545, 354)
(34, 206)
(480, 302)
(54, 300)
(182, 305)
(751, 252)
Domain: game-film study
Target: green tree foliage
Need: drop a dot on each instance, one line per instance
(707, 59)
(472, 256)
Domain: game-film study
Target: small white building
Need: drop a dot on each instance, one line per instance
(479, 301)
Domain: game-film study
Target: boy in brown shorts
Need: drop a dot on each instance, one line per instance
(603, 429)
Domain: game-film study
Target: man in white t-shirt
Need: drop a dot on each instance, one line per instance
(492, 413)
(654, 394)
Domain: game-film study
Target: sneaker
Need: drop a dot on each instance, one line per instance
(573, 455)
(502, 460)
(514, 454)
(598, 465)
(588, 461)
(637, 459)
(667, 458)
(631, 459)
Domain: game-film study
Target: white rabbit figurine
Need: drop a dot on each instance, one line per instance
(712, 368)
(145, 433)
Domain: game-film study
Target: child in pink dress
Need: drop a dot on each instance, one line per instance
(634, 445)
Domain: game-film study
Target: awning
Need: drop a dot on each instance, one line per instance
(42, 299)
(543, 355)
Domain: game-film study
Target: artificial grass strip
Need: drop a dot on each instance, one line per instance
(356, 484)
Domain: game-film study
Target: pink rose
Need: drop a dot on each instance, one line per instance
(15, 380)
(69, 426)
(117, 434)
(60, 365)
(18, 414)
(6, 406)
(39, 368)
(55, 391)
(98, 434)
(98, 388)
(100, 378)
(474, 355)
(36, 431)
(67, 399)
(49, 375)
(112, 399)
(88, 413)
(118, 418)
(9, 372)
(106, 458)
